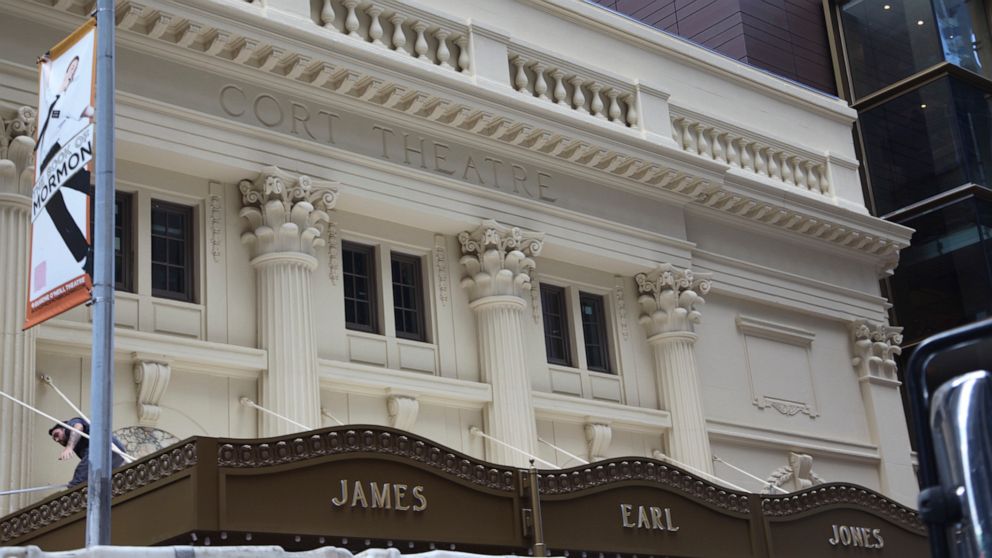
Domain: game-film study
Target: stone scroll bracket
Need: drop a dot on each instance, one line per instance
(151, 374)
(875, 349)
(403, 410)
(599, 434)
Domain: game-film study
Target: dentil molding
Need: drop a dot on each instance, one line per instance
(668, 298)
(286, 212)
(498, 259)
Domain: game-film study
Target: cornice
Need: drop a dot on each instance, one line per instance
(552, 406)
(333, 62)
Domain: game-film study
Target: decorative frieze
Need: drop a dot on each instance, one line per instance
(876, 347)
(151, 374)
(498, 259)
(285, 213)
(669, 297)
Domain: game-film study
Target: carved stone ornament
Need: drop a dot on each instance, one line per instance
(598, 437)
(151, 374)
(216, 211)
(403, 411)
(441, 268)
(585, 477)
(134, 477)
(342, 440)
(498, 259)
(333, 253)
(668, 298)
(17, 150)
(286, 213)
(797, 475)
(876, 347)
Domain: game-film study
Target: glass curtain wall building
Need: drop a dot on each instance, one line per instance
(919, 73)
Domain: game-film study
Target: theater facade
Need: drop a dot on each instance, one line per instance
(504, 228)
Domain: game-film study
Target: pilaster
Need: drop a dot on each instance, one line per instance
(498, 262)
(875, 348)
(287, 217)
(17, 347)
(668, 300)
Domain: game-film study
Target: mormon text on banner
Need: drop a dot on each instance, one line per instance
(61, 255)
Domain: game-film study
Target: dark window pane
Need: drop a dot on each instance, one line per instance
(943, 277)
(927, 141)
(359, 287)
(555, 325)
(408, 306)
(888, 41)
(158, 277)
(122, 242)
(172, 263)
(594, 332)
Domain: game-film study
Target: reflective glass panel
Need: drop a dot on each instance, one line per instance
(964, 33)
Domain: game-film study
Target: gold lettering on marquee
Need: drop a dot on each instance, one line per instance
(858, 537)
(649, 518)
(385, 495)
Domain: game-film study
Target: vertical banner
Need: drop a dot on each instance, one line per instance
(61, 269)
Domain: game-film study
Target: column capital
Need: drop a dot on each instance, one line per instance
(498, 259)
(668, 298)
(17, 150)
(286, 212)
(876, 346)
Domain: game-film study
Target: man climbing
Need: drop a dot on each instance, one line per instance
(74, 442)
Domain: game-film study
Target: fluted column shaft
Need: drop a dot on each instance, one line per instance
(678, 384)
(510, 418)
(17, 351)
(285, 330)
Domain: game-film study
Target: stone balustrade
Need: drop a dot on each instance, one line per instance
(761, 156)
(569, 85)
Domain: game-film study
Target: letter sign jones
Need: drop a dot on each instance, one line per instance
(859, 537)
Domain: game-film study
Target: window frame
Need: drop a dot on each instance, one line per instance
(602, 331)
(189, 260)
(373, 279)
(419, 298)
(562, 294)
(125, 208)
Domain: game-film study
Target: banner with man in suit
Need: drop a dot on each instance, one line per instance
(60, 274)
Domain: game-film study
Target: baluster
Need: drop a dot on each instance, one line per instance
(733, 154)
(774, 170)
(399, 37)
(705, 147)
(540, 84)
(464, 61)
(443, 53)
(632, 116)
(614, 110)
(597, 102)
(420, 45)
(351, 20)
(559, 93)
(327, 15)
(578, 96)
(692, 138)
(718, 152)
(747, 162)
(375, 27)
(520, 78)
(677, 134)
(824, 181)
(787, 175)
(812, 181)
(800, 174)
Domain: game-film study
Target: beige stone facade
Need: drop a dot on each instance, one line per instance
(713, 212)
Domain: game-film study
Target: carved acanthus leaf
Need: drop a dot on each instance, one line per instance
(17, 150)
(498, 260)
(876, 346)
(668, 298)
(286, 213)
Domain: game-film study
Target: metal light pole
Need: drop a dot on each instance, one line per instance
(102, 376)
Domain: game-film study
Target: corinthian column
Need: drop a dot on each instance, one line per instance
(16, 346)
(286, 217)
(876, 347)
(498, 263)
(668, 299)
